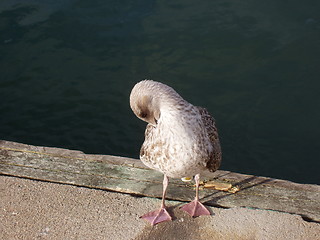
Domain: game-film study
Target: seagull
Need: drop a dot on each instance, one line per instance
(181, 140)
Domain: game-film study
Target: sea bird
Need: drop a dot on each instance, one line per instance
(181, 140)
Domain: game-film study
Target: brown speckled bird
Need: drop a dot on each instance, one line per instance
(180, 140)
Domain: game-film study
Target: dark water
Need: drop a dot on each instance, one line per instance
(67, 68)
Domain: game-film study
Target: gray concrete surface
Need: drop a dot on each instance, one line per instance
(127, 175)
(32, 209)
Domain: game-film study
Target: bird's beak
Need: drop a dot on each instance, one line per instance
(154, 122)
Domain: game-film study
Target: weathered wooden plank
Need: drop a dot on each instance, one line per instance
(131, 176)
(104, 176)
(54, 168)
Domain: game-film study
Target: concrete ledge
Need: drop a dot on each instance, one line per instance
(32, 209)
(131, 176)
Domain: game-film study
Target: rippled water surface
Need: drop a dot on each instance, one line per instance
(67, 68)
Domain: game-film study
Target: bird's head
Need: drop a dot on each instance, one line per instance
(144, 103)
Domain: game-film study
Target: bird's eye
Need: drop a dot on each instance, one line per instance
(143, 115)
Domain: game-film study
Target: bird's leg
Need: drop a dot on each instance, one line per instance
(196, 208)
(160, 215)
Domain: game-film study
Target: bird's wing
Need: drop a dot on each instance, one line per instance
(148, 135)
(214, 161)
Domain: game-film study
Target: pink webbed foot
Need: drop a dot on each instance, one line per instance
(157, 216)
(195, 209)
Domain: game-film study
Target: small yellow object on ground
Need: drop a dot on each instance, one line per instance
(221, 186)
(186, 179)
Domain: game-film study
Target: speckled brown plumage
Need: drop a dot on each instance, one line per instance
(214, 160)
(181, 140)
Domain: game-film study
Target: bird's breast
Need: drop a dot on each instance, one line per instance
(177, 149)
